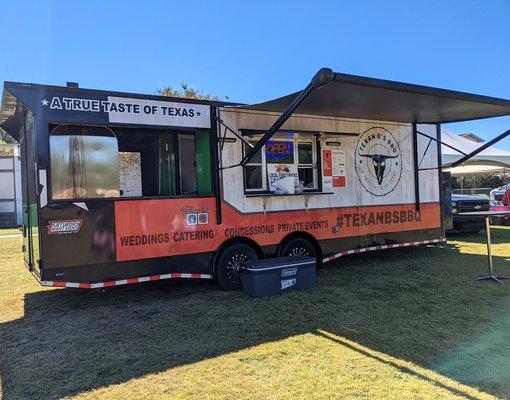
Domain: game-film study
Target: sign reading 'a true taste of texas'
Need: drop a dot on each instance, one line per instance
(135, 111)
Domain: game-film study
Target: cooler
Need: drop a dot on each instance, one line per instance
(272, 276)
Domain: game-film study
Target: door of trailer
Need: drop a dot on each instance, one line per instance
(29, 186)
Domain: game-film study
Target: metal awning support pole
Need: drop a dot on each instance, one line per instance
(440, 141)
(228, 128)
(321, 78)
(481, 148)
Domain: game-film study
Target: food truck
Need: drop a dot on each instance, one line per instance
(122, 188)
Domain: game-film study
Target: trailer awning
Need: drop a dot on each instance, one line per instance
(368, 98)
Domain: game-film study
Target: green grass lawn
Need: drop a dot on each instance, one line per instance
(409, 323)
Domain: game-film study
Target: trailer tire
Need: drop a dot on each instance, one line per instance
(298, 247)
(228, 265)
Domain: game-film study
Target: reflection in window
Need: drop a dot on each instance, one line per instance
(93, 162)
(253, 171)
(305, 153)
(84, 163)
(253, 177)
(305, 165)
(130, 174)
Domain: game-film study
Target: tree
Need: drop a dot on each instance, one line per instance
(186, 92)
(478, 181)
(5, 137)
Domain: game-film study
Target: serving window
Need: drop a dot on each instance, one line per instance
(97, 162)
(287, 164)
(84, 163)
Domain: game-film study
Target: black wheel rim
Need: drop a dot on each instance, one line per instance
(301, 251)
(233, 267)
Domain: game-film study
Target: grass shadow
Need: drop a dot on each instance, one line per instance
(415, 304)
(395, 365)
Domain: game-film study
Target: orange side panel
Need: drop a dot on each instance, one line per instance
(329, 223)
(159, 228)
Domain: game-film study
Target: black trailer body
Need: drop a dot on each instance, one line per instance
(69, 236)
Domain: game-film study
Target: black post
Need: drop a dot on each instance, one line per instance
(215, 133)
(320, 79)
(481, 148)
(440, 179)
(416, 169)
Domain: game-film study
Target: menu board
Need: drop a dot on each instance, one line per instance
(339, 173)
(333, 167)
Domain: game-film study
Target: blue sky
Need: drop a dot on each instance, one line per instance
(262, 49)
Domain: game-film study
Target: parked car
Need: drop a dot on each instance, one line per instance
(496, 197)
(497, 194)
(500, 219)
(468, 203)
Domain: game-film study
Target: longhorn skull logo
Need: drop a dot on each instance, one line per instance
(378, 159)
(379, 163)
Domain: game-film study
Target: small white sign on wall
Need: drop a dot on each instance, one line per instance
(282, 178)
(339, 172)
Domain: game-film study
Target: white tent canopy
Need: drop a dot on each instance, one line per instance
(491, 160)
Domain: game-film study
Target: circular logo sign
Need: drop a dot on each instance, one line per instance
(378, 161)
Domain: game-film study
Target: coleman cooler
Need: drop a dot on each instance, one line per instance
(273, 276)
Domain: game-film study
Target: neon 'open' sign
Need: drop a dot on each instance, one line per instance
(279, 150)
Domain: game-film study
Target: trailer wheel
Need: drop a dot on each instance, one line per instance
(298, 247)
(229, 264)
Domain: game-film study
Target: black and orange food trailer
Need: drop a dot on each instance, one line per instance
(121, 188)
